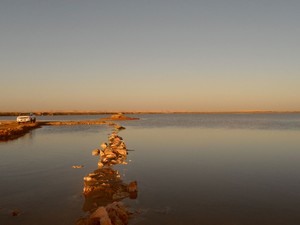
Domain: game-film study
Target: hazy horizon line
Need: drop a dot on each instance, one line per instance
(147, 112)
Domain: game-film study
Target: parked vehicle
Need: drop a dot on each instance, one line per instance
(26, 118)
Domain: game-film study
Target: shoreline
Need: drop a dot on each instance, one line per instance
(11, 130)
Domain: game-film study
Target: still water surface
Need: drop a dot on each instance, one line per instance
(190, 169)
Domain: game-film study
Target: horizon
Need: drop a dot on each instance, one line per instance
(74, 112)
(195, 56)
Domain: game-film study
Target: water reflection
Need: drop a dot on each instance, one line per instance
(105, 186)
(199, 173)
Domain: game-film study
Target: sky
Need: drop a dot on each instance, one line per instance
(149, 55)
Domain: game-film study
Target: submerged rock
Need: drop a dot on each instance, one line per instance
(77, 167)
(16, 212)
(102, 216)
(118, 213)
(113, 214)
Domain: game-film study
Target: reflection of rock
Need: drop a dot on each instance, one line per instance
(105, 186)
(132, 189)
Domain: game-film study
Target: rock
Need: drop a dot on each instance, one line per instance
(113, 153)
(122, 145)
(15, 212)
(117, 139)
(104, 160)
(119, 116)
(108, 151)
(117, 213)
(121, 152)
(121, 195)
(118, 127)
(78, 167)
(111, 156)
(114, 161)
(100, 212)
(89, 179)
(87, 221)
(105, 221)
(103, 145)
(102, 153)
(105, 185)
(95, 152)
(102, 215)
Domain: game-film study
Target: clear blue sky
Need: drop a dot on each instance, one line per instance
(194, 55)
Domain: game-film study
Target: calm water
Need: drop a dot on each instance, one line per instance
(190, 169)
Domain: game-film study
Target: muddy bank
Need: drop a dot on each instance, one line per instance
(10, 130)
(13, 130)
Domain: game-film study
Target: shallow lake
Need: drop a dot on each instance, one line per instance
(190, 169)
